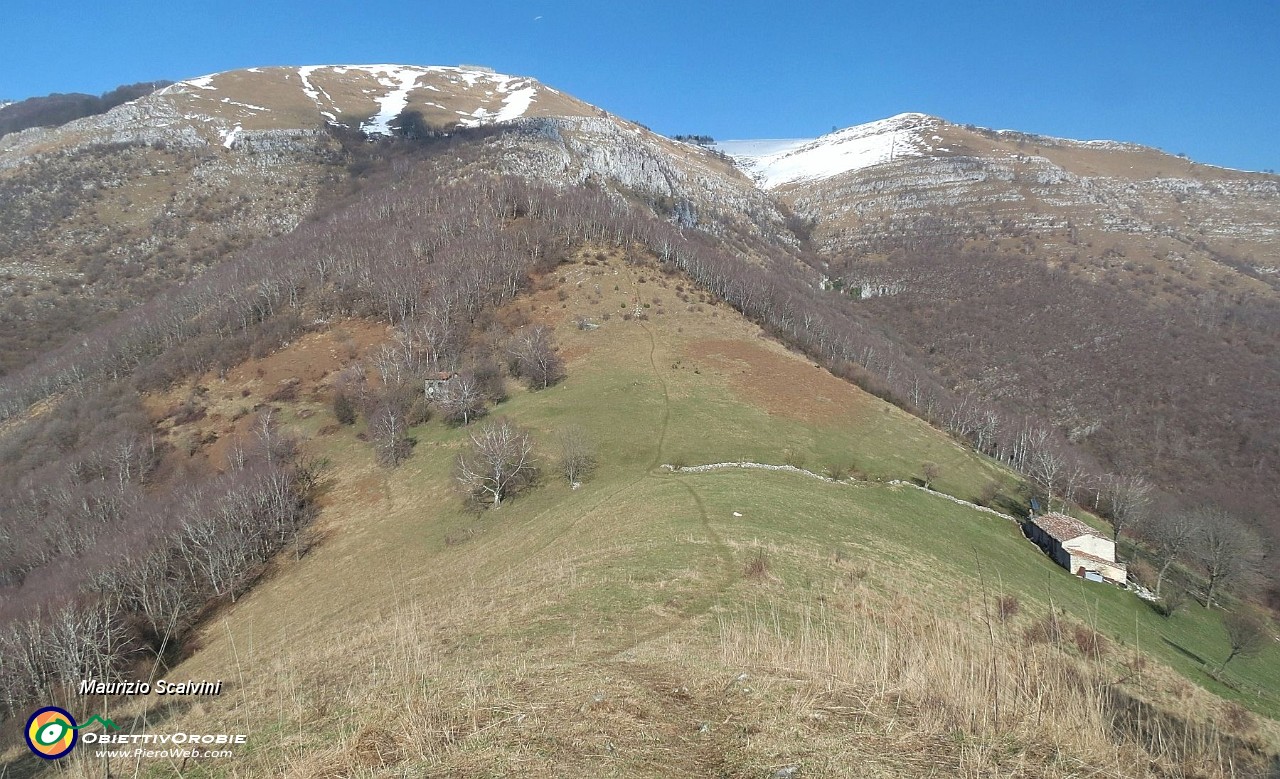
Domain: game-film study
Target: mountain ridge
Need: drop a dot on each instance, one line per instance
(472, 74)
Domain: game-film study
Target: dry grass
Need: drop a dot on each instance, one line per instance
(947, 695)
(892, 690)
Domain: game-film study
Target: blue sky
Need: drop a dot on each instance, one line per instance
(1189, 76)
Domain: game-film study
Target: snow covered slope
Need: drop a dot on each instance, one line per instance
(775, 163)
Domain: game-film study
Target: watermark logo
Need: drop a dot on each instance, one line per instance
(52, 732)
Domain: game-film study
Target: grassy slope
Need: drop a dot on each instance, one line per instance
(577, 632)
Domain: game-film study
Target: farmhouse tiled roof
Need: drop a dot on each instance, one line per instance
(1062, 527)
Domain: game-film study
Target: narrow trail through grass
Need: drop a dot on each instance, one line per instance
(722, 550)
(666, 398)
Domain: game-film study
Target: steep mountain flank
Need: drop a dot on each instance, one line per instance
(861, 182)
(97, 213)
(1127, 295)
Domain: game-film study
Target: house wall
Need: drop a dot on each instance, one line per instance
(1094, 545)
(1115, 573)
(1049, 544)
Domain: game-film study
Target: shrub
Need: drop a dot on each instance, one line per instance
(1089, 642)
(1046, 630)
(1007, 607)
(577, 454)
(1173, 598)
(1238, 718)
(287, 391)
(757, 567)
(931, 471)
(989, 494)
(837, 471)
(344, 409)
(190, 411)
(490, 380)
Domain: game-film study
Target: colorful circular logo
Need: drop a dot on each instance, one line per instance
(51, 733)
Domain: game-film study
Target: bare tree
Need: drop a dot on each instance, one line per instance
(388, 425)
(1076, 475)
(1127, 500)
(436, 334)
(1226, 548)
(22, 643)
(498, 463)
(1172, 534)
(461, 399)
(390, 361)
(985, 432)
(1246, 633)
(577, 454)
(1045, 467)
(533, 352)
(931, 471)
(273, 443)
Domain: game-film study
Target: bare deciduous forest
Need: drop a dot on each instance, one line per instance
(1183, 396)
(56, 109)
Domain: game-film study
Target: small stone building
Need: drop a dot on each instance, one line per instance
(435, 383)
(1077, 547)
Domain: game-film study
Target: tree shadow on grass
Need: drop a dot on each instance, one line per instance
(1182, 650)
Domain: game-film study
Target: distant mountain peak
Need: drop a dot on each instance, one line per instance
(366, 97)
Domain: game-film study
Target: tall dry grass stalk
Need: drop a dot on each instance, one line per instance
(1002, 691)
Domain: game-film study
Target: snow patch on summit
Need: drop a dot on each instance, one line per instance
(519, 94)
(400, 81)
(203, 82)
(515, 104)
(181, 87)
(761, 148)
(777, 162)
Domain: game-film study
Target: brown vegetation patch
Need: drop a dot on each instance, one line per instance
(312, 357)
(377, 747)
(769, 379)
(575, 352)
(233, 433)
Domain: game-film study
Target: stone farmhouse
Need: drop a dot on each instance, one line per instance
(1077, 547)
(435, 383)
